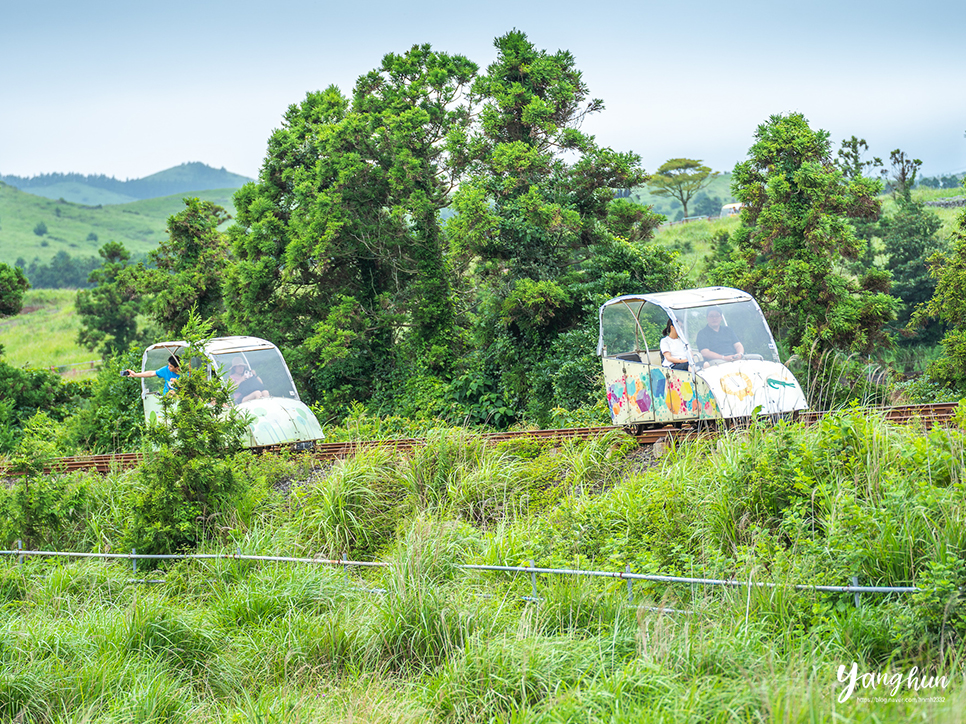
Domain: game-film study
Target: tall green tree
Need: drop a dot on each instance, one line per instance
(109, 311)
(850, 158)
(338, 247)
(534, 229)
(681, 178)
(851, 162)
(188, 480)
(188, 268)
(910, 240)
(795, 237)
(13, 284)
(903, 174)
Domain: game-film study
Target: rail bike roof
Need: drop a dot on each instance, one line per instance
(220, 345)
(685, 298)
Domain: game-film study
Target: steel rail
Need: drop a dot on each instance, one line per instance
(929, 415)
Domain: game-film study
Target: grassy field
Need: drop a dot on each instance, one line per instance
(139, 225)
(44, 334)
(422, 639)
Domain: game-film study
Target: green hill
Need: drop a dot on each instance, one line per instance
(80, 230)
(100, 189)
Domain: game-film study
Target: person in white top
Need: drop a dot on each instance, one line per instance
(673, 351)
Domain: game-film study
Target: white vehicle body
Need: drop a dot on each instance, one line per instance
(279, 416)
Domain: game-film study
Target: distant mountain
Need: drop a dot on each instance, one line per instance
(105, 190)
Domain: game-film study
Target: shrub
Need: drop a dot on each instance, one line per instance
(111, 420)
(189, 481)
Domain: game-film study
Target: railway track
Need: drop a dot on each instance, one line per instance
(929, 415)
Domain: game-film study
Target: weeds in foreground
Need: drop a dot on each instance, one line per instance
(425, 640)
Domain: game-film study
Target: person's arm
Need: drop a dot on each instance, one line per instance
(672, 359)
(141, 375)
(740, 350)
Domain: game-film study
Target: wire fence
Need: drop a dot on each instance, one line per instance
(532, 570)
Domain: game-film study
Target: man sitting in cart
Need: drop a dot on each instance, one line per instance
(718, 342)
(169, 374)
(248, 385)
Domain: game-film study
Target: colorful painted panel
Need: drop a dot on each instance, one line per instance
(628, 392)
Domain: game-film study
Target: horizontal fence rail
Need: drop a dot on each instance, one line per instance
(531, 569)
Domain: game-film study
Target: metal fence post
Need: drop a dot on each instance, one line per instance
(855, 582)
(533, 580)
(19, 552)
(345, 566)
(134, 561)
(630, 585)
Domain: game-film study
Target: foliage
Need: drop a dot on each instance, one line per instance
(189, 482)
(909, 237)
(850, 158)
(188, 268)
(349, 510)
(109, 311)
(794, 237)
(339, 245)
(422, 639)
(681, 178)
(24, 393)
(62, 272)
(536, 230)
(948, 304)
(111, 419)
(13, 284)
(904, 170)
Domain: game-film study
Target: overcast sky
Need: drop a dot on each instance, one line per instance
(128, 88)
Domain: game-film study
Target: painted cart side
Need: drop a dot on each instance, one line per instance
(641, 391)
(280, 417)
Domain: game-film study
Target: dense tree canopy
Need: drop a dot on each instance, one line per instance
(339, 249)
(795, 236)
(340, 255)
(536, 222)
(188, 268)
(910, 239)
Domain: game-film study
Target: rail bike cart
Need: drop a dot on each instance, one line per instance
(642, 392)
(261, 386)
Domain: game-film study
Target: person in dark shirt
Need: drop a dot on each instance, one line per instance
(717, 342)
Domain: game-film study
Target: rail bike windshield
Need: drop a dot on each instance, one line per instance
(256, 370)
(743, 318)
(252, 369)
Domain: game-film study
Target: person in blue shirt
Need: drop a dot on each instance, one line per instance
(169, 374)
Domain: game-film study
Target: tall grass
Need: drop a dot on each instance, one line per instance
(424, 640)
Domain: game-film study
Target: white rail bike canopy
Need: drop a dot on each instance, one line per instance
(635, 322)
